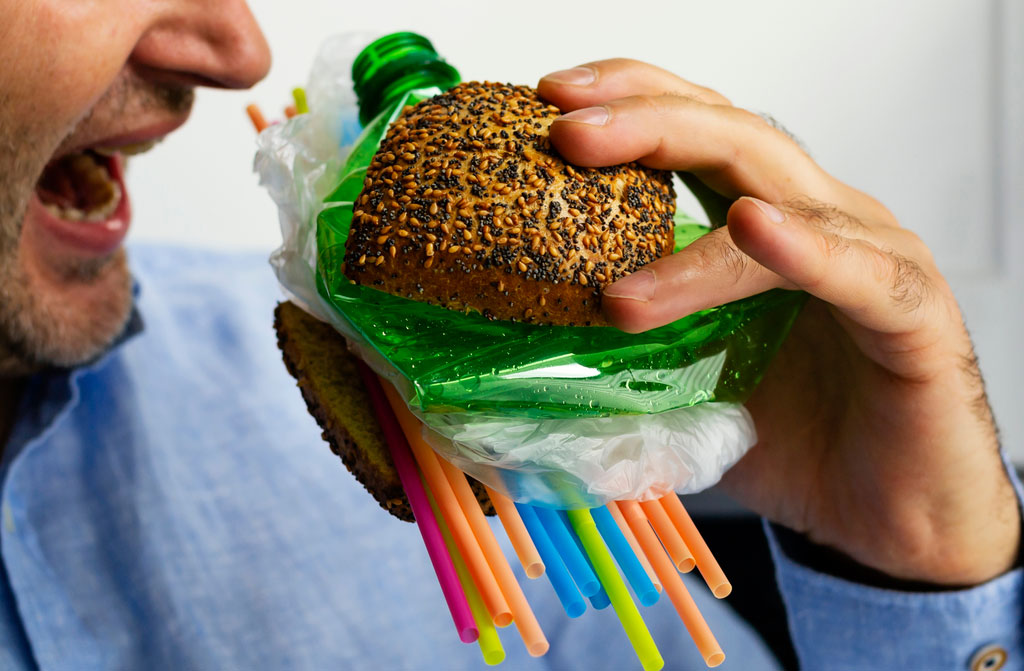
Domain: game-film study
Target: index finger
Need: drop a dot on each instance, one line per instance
(596, 82)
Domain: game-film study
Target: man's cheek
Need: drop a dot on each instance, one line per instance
(64, 56)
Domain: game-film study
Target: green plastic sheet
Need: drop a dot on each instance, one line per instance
(452, 362)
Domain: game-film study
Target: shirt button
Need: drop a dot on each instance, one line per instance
(988, 658)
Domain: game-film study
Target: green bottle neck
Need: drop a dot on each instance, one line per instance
(392, 66)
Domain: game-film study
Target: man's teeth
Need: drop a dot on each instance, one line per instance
(127, 149)
(95, 214)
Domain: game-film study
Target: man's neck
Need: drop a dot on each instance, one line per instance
(10, 393)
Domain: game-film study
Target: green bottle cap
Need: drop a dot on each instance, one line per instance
(393, 65)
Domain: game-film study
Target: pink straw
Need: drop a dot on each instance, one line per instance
(421, 510)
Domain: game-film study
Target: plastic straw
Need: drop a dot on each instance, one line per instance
(522, 615)
(486, 547)
(558, 575)
(290, 112)
(453, 514)
(425, 520)
(489, 642)
(669, 536)
(585, 578)
(708, 566)
(613, 510)
(599, 600)
(257, 118)
(525, 549)
(629, 616)
(625, 556)
(673, 583)
(299, 96)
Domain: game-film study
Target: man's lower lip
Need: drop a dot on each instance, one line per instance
(92, 238)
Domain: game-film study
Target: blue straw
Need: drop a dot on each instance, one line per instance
(599, 600)
(565, 542)
(554, 569)
(625, 557)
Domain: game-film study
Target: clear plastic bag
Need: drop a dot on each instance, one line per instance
(556, 415)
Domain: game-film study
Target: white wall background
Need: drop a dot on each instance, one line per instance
(920, 103)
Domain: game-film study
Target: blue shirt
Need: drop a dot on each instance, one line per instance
(172, 506)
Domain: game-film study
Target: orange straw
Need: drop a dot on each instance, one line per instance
(290, 111)
(257, 118)
(522, 543)
(712, 573)
(631, 539)
(453, 513)
(673, 583)
(522, 615)
(669, 536)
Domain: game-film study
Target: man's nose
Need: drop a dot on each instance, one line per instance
(204, 43)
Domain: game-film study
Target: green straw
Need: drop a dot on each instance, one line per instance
(632, 623)
(299, 95)
(490, 644)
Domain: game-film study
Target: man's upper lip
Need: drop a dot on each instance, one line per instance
(142, 133)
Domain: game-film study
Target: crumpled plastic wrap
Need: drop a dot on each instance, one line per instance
(559, 416)
(586, 462)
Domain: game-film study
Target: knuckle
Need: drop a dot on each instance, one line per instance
(907, 281)
(916, 247)
(826, 217)
(652, 103)
(718, 253)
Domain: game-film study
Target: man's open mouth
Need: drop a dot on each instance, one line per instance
(81, 187)
(81, 199)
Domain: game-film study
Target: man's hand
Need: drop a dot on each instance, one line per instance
(875, 435)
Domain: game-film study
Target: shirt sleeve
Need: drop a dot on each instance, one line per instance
(839, 625)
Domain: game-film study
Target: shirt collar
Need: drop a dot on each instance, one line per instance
(50, 391)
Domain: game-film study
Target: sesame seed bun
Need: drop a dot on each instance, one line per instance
(466, 205)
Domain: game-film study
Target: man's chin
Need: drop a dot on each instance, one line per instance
(65, 315)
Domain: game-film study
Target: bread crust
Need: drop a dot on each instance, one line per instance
(317, 357)
(466, 205)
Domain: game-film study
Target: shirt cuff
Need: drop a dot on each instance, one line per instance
(836, 624)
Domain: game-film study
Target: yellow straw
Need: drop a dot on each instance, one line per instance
(490, 644)
(300, 100)
(610, 579)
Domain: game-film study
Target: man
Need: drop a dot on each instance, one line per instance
(161, 504)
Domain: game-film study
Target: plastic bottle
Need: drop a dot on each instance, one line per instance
(395, 65)
(393, 71)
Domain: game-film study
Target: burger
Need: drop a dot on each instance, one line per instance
(466, 205)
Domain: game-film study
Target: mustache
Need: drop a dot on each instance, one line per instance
(132, 94)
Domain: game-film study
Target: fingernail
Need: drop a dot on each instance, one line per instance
(594, 116)
(637, 287)
(580, 76)
(770, 211)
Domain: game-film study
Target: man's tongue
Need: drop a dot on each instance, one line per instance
(79, 187)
